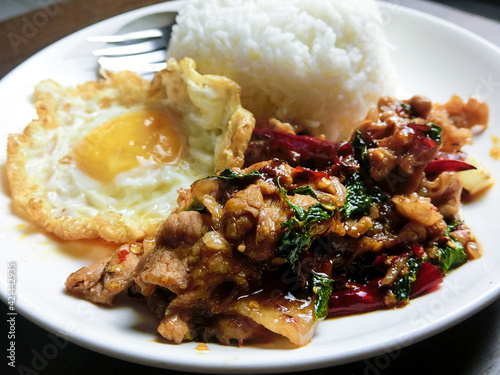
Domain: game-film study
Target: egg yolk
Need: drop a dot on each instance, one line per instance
(118, 145)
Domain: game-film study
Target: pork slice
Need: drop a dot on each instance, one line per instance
(445, 192)
(175, 329)
(104, 280)
(291, 318)
(167, 268)
(229, 328)
(184, 227)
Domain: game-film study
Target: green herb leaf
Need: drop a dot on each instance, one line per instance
(322, 286)
(284, 194)
(197, 205)
(318, 212)
(361, 150)
(452, 227)
(229, 174)
(407, 108)
(296, 237)
(453, 254)
(359, 198)
(304, 190)
(434, 132)
(292, 242)
(452, 257)
(403, 285)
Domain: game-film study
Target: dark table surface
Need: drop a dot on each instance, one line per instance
(471, 347)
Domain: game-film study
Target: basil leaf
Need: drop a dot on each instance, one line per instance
(318, 212)
(304, 190)
(408, 108)
(296, 237)
(322, 287)
(361, 150)
(453, 226)
(434, 132)
(359, 198)
(229, 174)
(403, 285)
(453, 254)
(284, 194)
(292, 242)
(197, 205)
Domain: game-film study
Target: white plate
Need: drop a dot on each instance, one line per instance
(428, 61)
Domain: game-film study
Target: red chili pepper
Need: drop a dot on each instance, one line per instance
(357, 299)
(296, 150)
(428, 277)
(381, 262)
(418, 250)
(122, 256)
(447, 165)
(422, 147)
(303, 175)
(421, 150)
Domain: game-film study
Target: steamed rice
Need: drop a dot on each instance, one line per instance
(323, 63)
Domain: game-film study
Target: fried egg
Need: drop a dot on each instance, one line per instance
(105, 159)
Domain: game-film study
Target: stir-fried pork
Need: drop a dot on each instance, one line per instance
(309, 228)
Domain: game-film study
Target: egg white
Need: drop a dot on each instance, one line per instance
(47, 183)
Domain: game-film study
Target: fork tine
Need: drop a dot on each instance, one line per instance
(136, 35)
(139, 63)
(142, 51)
(116, 66)
(132, 49)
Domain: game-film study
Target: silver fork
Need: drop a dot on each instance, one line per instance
(141, 51)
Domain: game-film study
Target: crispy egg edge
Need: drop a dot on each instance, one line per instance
(28, 196)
